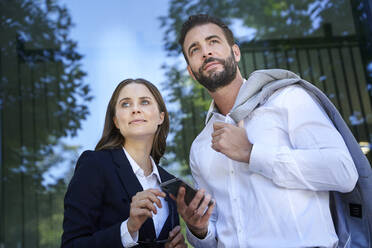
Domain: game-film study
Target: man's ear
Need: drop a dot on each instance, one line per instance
(190, 72)
(236, 52)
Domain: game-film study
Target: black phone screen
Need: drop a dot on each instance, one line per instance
(172, 186)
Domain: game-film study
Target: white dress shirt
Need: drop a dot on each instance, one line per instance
(152, 181)
(281, 198)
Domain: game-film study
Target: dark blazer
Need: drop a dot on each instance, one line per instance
(98, 200)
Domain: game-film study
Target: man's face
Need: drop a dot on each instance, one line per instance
(212, 62)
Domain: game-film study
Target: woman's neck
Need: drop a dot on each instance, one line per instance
(140, 152)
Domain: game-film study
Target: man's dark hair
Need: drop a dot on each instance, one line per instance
(200, 19)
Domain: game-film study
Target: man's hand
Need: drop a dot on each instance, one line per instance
(232, 141)
(176, 239)
(194, 214)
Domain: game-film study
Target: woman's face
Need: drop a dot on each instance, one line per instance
(137, 114)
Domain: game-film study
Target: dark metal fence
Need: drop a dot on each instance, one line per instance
(333, 64)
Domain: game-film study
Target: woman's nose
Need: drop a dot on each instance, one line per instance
(136, 109)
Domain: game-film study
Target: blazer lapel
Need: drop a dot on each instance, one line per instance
(164, 175)
(131, 185)
(172, 219)
(127, 177)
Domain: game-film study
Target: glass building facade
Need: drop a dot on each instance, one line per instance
(43, 99)
(337, 59)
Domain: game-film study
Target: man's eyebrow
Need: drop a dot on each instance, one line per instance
(207, 38)
(213, 37)
(191, 46)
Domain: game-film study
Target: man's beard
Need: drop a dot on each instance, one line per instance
(217, 80)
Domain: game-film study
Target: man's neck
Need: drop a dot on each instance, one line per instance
(225, 97)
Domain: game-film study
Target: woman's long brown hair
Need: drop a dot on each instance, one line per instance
(111, 136)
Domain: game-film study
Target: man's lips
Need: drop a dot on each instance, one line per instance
(137, 121)
(210, 64)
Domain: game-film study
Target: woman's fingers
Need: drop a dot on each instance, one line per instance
(157, 192)
(145, 203)
(142, 212)
(151, 194)
(143, 206)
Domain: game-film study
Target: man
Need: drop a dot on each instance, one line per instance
(270, 174)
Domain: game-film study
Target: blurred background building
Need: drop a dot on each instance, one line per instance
(47, 91)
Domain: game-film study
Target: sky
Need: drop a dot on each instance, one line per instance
(119, 39)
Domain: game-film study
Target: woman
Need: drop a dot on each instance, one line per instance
(114, 197)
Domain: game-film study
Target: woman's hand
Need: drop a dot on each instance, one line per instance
(142, 207)
(176, 239)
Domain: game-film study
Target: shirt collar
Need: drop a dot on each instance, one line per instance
(138, 170)
(213, 108)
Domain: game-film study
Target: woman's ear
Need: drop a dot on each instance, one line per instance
(161, 118)
(115, 122)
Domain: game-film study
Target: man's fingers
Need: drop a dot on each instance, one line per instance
(203, 205)
(174, 232)
(177, 239)
(217, 132)
(172, 197)
(218, 125)
(241, 123)
(208, 213)
(181, 198)
(196, 200)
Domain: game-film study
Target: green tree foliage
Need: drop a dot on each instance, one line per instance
(43, 97)
(41, 77)
(51, 194)
(188, 118)
(270, 18)
(34, 39)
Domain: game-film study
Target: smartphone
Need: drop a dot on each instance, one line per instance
(172, 186)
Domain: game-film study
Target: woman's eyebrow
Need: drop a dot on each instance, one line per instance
(124, 99)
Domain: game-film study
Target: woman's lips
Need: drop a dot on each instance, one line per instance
(137, 121)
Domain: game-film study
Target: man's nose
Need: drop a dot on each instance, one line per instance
(206, 52)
